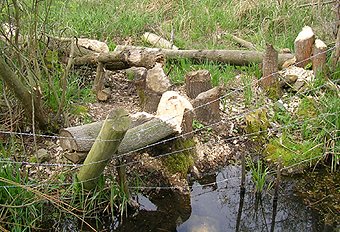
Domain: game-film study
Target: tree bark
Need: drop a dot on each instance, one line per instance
(235, 57)
(122, 59)
(303, 46)
(207, 106)
(270, 81)
(27, 98)
(106, 144)
(197, 82)
(319, 56)
(81, 138)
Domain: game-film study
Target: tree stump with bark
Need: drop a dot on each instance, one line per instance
(197, 82)
(319, 56)
(207, 106)
(304, 46)
(270, 81)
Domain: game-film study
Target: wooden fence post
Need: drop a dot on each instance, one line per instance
(106, 144)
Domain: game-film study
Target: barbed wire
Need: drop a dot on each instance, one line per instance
(150, 145)
(163, 155)
(170, 118)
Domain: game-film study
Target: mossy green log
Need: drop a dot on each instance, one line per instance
(105, 146)
(182, 161)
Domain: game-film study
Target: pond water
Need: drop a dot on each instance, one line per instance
(217, 207)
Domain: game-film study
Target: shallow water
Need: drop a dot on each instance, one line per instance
(217, 207)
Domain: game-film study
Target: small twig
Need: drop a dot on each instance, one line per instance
(317, 3)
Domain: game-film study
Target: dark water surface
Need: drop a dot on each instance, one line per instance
(217, 207)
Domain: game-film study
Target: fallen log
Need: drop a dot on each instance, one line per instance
(151, 129)
(83, 46)
(122, 59)
(235, 57)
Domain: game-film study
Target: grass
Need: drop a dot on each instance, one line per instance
(196, 25)
(259, 175)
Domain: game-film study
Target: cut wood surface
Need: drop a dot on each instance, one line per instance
(110, 136)
(303, 45)
(171, 108)
(158, 41)
(122, 59)
(156, 83)
(235, 57)
(197, 82)
(319, 56)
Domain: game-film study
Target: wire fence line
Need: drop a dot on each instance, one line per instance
(24, 163)
(238, 116)
(159, 156)
(168, 119)
(148, 146)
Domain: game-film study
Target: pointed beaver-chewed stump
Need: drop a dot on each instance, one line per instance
(156, 83)
(178, 109)
(270, 81)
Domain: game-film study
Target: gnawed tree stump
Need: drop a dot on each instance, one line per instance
(197, 82)
(171, 108)
(270, 81)
(303, 45)
(137, 76)
(235, 57)
(156, 83)
(207, 106)
(319, 56)
(177, 110)
(106, 145)
(102, 93)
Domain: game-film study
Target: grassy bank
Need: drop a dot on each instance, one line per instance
(315, 129)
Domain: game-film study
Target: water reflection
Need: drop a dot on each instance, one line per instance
(223, 207)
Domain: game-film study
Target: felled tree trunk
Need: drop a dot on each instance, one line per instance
(270, 81)
(81, 138)
(122, 59)
(33, 109)
(106, 145)
(197, 82)
(83, 46)
(303, 46)
(207, 106)
(319, 53)
(235, 57)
